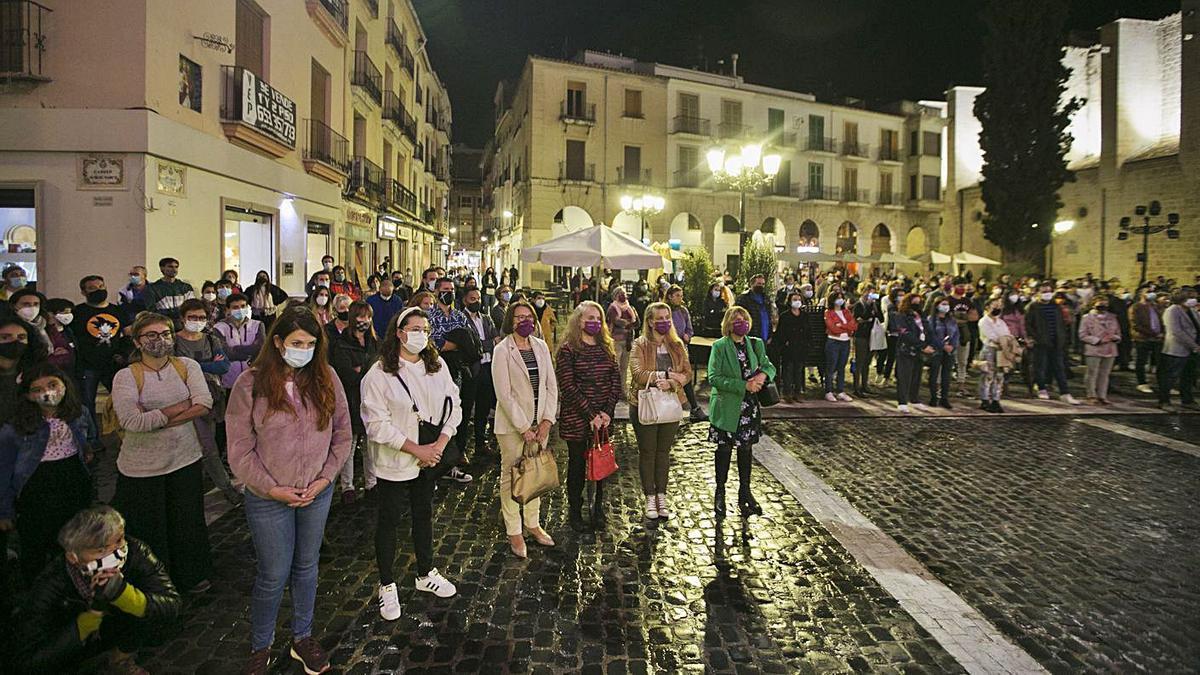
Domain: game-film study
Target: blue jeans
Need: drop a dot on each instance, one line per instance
(837, 353)
(287, 543)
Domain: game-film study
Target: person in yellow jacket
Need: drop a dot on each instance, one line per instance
(545, 318)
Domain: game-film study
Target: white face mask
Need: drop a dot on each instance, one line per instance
(796, 304)
(210, 296)
(297, 358)
(1013, 297)
(838, 302)
(1190, 302)
(241, 313)
(194, 326)
(415, 341)
(716, 294)
(223, 292)
(807, 293)
(539, 303)
(29, 313)
(506, 296)
(64, 319)
(322, 300)
(1047, 297)
(942, 309)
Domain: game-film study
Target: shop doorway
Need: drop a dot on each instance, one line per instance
(18, 227)
(249, 242)
(317, 247)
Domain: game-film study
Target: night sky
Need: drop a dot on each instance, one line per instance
(879, 50)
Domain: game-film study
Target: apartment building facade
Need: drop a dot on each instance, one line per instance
(230, 135)
(573, 136)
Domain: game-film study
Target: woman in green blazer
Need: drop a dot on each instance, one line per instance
(738, 368)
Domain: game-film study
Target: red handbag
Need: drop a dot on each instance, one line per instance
(601, 460)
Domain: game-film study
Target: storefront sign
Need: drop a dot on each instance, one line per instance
(101, 172)
(387, 229)
(267, 110)
(359, 217)
(172, 178)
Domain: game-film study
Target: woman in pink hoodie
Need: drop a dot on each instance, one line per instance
(1100, 333)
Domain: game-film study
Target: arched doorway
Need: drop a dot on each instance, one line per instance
(629, 225)
(570, 219)
(726, 238)
(881, 240)
(686, 228)
(847, 238)
(810, 235)
(771, 225)
(916, 243)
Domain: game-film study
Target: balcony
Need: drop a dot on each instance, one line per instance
(332, 17)
(783, 139)
(732, 130)
(393, 109)
(430, 215)
(855, 150)
(326, 152)
(577, 173)
(821, 144)
(810, 193)
(634, 176)
(409, 127)
(697, 126)
(395, 38)
(889, 154)
(578, 113)
(890, 199)
(686, 178)
(400, 198)
(366, 182)
(265, 123)
(855, 195)
(774, 189)
(407, 62)
(366, 77)
(22, 41)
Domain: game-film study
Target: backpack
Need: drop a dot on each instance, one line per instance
(139, 371)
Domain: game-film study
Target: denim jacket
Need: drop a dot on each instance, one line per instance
(943, 330)
(20, 456)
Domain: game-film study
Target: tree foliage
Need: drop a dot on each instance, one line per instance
(757, 259)
(698, 271)
(1024, 119)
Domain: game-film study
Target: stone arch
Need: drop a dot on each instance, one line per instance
(810, 234)
(569, 219)
(881, 239)
(847, 238)
(916, 241)
(726, 238)
(771, 225)
(629, 225)
(688, 229)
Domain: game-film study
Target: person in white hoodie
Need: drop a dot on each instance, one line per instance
(409, 384)
(991, 329)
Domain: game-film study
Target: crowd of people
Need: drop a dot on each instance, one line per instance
(388, 391)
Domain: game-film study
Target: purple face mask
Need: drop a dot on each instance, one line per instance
(591, 327)
(741, 327)
(662, 327)
(525, 328)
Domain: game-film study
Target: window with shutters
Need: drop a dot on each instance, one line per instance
(576, 99)
(931, 188)
(250, 37)
(816, 178)
(775, 121)
(933, 143)
(633, 103)
(575, 160)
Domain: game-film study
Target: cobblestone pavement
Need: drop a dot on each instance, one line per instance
(1077, 543)
(775, 595)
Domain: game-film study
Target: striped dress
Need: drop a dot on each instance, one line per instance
(588, 384)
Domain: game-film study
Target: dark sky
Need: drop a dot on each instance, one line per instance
(880, 50)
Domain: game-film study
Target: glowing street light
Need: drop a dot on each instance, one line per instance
(745, 170)
(643, 206)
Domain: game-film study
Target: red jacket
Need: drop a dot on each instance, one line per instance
(833, 326)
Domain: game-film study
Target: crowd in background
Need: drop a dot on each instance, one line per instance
(288, 405)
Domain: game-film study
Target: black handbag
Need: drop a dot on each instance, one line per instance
(768, 395)
(428, 432)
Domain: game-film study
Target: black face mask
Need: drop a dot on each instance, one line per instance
(446, 297)
(12, 350)
(475, 307)
(97, 296)
(363, 326)
(397, 283)
(995, 311)
(758, 289)
(343, 316)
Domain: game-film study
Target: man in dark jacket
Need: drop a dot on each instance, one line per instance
(478, 394)
(102, 596)
(867, 312)
(754, 301)
(1046, 328)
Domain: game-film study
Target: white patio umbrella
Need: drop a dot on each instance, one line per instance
(897, 259)
(964, 258)
(935, 257)
(592, 247)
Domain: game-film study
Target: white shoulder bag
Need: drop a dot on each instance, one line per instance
(656, 406)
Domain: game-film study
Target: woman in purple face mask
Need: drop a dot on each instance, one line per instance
(738, 368)
(589, 386)
(526, 408)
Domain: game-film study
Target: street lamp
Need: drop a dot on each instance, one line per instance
(1146, 229)
(1061, 227)
(746, 170)
(643, 206)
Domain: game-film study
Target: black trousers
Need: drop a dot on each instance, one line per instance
(940, 365)
(576, 474)
(908, 379)
(745, 463)
(1146, 352)
(886, 359)
(167, 513)
(55, 492)
(418, 492)
(478, 397)
(862, 362)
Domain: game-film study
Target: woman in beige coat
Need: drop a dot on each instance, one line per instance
(658, 358)
(526, 408)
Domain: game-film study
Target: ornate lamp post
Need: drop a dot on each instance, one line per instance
(745, 171)
(1145, 213)
(643, 206)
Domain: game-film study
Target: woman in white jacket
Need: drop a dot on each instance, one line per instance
(526, 408)
(991, 329)
(409, 383)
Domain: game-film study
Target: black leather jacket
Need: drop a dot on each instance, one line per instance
(47, 637)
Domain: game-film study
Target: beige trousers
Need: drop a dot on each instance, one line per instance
(510, 453)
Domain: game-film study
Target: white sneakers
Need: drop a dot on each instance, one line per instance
(651, 507)
(1044, 395)
(663, 510)
(830, 397)
(1145, 389)
(437, 584)
(921, 407)
(389, 603)
(458, 475)
(1069, 399)
(903, 407)
(844, 397)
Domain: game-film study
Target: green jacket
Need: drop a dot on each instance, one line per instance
(725, 376)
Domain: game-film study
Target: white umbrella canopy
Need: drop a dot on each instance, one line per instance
(897, 259)
(935, 257)
(964, 258)
(592, 247)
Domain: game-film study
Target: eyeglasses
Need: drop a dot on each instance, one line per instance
(153, 335)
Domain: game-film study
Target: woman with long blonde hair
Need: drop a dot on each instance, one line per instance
(589, 386)
(658, 358)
